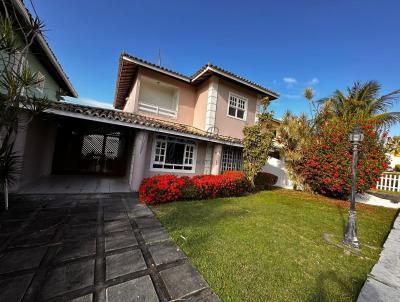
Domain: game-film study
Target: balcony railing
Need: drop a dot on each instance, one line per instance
(157, 110)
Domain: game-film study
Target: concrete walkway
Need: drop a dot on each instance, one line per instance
(383, 283)
(92, 247)
(375, 200)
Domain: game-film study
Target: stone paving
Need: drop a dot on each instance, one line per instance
(91, 247)
(383, 283)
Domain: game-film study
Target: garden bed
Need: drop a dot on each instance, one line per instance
(269, 246)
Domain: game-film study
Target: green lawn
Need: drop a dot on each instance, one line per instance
(270, 247)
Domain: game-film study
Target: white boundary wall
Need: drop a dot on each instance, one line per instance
(278, 168)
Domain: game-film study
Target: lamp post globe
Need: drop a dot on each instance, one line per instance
(350, 237)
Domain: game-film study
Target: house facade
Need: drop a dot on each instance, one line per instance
(213, 101)
(162, 122)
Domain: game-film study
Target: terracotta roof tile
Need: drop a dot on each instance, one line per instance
(136, 119)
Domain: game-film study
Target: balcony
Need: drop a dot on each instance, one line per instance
(154, 109)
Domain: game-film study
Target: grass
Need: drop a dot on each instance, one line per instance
(269, 246)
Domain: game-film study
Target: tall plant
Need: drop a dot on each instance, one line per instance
(363, 101)
(257, 142)
(18, 100)
(294, 134)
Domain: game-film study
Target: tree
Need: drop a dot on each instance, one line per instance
(363, 102)
(18, 101)
(294, 134)
(257, 142)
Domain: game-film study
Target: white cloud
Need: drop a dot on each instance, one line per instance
(89, 102)
(292, 96)
(289, 81)
(313, 81)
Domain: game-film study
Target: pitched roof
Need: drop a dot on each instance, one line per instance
(114, 116)
(43, 44)
(128, 66)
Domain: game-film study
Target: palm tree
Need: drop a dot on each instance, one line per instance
(363, 102)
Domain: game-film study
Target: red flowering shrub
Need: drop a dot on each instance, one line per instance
(160, 189)
(326, 165)
(167, 188)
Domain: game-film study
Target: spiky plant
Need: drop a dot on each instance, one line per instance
(18, 100)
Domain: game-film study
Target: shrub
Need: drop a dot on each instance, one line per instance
(326, 165)
(161, 189)
(397, 168)
(264, 181)
(167, 188)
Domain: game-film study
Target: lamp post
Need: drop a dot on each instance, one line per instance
(350, 237)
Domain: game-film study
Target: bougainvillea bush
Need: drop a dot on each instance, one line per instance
(166, 188)
(326, 164)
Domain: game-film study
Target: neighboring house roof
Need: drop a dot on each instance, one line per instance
(122, 118)
(128, 67)
(44, 46)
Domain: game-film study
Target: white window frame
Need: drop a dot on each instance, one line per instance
(231, 159)
(40, 84)
(238, 97)
(158, 110)
(164, 139)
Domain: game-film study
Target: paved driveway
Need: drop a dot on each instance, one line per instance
(91, 247)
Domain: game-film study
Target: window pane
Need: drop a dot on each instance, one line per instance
(240, 113)
(232, 111)
(175, 153)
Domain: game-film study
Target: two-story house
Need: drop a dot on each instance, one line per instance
(212, 101)
(163, 122)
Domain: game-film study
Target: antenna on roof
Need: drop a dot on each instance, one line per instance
(159, 57)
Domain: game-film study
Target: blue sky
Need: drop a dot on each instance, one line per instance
(283, 45)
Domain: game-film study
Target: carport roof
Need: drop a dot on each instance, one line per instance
(122, 118)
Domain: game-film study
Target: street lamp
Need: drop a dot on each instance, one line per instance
(350, 237)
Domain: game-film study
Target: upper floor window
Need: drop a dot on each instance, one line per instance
(40, 81)
(158, 98)
(237, 106)
(173, 154)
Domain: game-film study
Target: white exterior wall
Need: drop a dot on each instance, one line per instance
(278, 168)
(394, 160)
(35, 144)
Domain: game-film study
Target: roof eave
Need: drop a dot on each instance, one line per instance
(227, 75)
(22, 10)
(155, 68)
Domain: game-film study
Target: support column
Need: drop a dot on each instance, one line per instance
(216, 159)
(211, 105)
(208, 158)
(139, 159)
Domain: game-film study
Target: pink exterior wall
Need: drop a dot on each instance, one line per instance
(227, 125)
(199, 119)
(186, 103)
(192, 104)
(131, 103)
